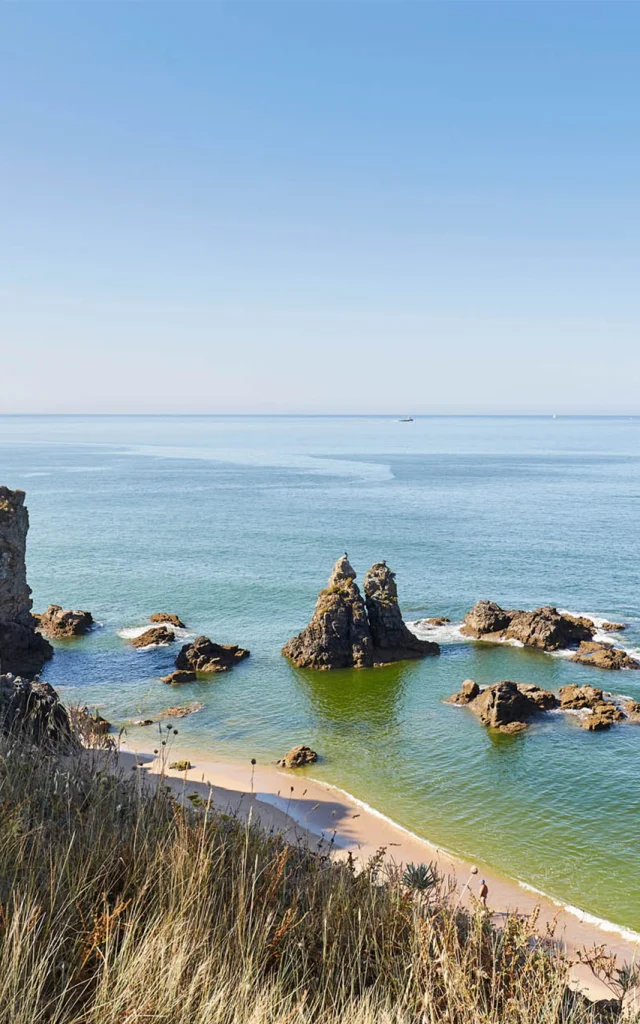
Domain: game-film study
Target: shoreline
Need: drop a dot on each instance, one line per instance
(303, 807)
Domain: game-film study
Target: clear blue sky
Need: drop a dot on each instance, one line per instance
(320, 206)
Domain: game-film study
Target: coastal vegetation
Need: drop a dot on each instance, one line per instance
(121, 902)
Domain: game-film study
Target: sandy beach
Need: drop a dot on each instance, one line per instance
(301, 807)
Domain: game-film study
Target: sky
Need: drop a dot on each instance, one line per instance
(320, 206)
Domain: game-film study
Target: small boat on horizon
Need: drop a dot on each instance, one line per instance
(406, 419)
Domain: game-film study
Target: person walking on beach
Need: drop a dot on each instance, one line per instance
(484, 892)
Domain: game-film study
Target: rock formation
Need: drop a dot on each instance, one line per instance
(338, 635)
(22, 649)
(32, 710)
(203, 655)
(603, 656)
(179, 676)
(545, 628)
(392, 640)
(173, 620)
(439, 620)
(154, 637)
(58, 624)
(613, 627)
(297, 757)
(508, 706)
(468, 692)
(344, 632)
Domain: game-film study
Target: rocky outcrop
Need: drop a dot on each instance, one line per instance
(338, 635)
(346, 632)
(392, 640)
(468, 692)
(439, 620)
(182, 710)
(576, 698)
(154, 637)
(32, 711)
(168, 617)
(58, 624)
(203, 655)
(22, 649)
(297, 757)
(603, 656)
(545, 628)
(613, 627)
(179, 676)
(508, 706)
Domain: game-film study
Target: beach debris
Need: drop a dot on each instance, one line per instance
(605, 656)
(545, 628)
(347, 631)
(58, 624)
(180, 766)
(203, 655)
(22, 650)
(179, 676)
(156, 636)
(169, 617)
(297, 757)
(182, 710)
(33, 711)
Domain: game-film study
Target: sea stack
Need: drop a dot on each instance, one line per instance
(338, 635)
(347, 632)
(392, 640)
(23, 651)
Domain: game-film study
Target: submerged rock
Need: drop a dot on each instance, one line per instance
(22, 649)
(33, 711)
(180, 676)
(392, 640)
(58, 624)
(338, 635)
(203, 655)
(297, 757)
(545, 628)
(155, 636)
(182, 710)
(603, 656)
(346, 631)
(173, 620)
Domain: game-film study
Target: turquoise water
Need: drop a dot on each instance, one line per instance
(234, 523)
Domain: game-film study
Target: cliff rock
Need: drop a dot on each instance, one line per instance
(203, 655)
(545, 628)
(32, 710)
(392, 640)
(603, 656)
(338, 635)
(59, 624)
(22, 649)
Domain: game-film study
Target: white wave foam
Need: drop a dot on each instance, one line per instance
(131, 632)
(449, 633)
(598, 922)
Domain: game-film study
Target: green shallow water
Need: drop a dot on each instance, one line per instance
(234, 523)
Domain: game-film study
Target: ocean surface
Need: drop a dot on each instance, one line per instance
(234, 523)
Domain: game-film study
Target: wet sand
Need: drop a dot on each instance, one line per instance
(302, 807)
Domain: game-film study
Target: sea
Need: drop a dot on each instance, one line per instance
(234, 523)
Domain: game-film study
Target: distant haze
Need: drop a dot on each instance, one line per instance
(320, 207)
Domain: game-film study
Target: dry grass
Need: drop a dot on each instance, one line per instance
(119, 906)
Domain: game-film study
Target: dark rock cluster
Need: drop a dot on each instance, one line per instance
(545, 628)
(33, 711)
(203, 655)
(347, 631)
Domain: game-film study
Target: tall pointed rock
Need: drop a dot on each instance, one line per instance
(22, 650)
(392, 640)
(338, 634)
